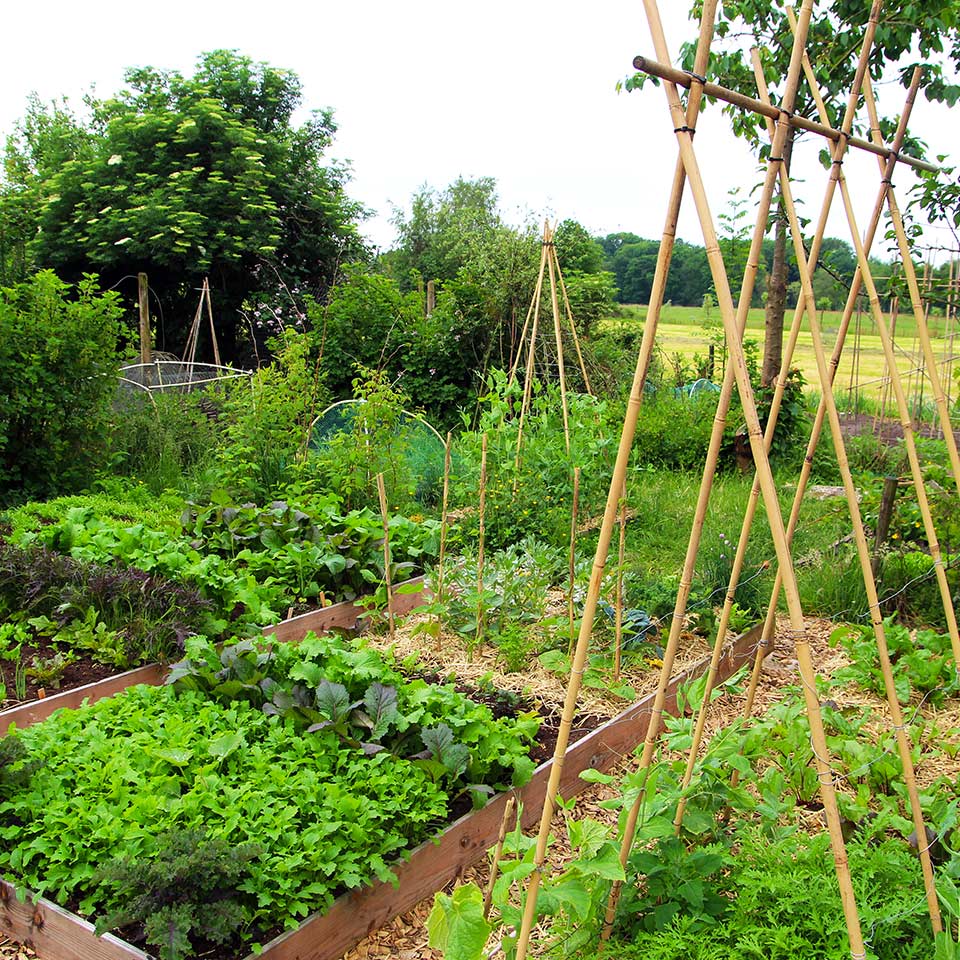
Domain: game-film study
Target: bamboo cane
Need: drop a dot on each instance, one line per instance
(916, 301)
(573, 327)
(497, 854)
(852, 303)
(738, 362)
(480, 541)
(735, 322)
(906, 423)
(616, 485)
(534, 302)
(213, 330)
(863, 550)
(551, 258)
(618, 627)
(573, 542)
(444, 522)
(531, 351)
(382, 493)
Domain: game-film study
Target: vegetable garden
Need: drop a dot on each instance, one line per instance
(268, 684)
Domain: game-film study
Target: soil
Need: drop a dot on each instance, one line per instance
(77, 673)
(888, 430)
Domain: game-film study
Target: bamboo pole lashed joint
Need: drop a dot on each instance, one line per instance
(779, 114)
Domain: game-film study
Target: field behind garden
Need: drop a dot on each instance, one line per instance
(688, 331)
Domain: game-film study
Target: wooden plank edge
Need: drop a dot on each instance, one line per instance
(33, 711)
(343, 615)
(440, 861)
(346, 615)
(53, 932)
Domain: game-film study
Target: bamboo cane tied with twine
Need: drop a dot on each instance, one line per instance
(863, 550)
(734, 333)
(738, 362)
(916, 300)
(610, 511)
(852, 304)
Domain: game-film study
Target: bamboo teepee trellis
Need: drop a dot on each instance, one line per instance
(528, 342)
(779, 119)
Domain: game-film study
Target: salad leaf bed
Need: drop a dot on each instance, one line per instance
(307, 768)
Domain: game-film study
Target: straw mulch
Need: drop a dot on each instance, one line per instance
(448, 657)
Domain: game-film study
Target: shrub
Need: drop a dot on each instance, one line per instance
(58, 363)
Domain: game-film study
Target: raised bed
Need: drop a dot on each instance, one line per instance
(345, 616)
(57, 934)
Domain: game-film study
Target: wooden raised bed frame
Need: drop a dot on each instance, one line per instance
(57, 934)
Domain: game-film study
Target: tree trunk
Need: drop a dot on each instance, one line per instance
(776, 306)
(776, 288)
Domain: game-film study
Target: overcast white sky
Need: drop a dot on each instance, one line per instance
(426, 91)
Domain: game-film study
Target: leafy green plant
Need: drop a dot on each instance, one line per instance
(922, 661)
(512, 600)
(57, 376)
(345, 688)
(190, 888)
(48, 671)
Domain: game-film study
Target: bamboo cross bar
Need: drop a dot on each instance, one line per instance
(684, 79)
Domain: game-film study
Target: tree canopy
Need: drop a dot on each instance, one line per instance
(186, 177)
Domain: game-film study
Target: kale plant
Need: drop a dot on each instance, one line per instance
(190, 889)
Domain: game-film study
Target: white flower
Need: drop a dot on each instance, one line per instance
(114, 160)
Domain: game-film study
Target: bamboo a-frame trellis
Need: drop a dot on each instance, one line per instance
(549, 268)
(779, 119)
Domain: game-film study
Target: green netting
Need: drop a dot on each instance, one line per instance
(413, 438)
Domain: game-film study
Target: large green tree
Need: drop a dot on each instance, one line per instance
(186, 177)
(910, 32)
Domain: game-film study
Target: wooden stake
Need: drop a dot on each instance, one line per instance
(444, 522)
(497, 854)
(571, 583)
(384, 513)
(884, 516)
(143, 298)
(618, 625)
(480, 541)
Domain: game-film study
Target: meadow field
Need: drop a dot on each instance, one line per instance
(688, 331)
